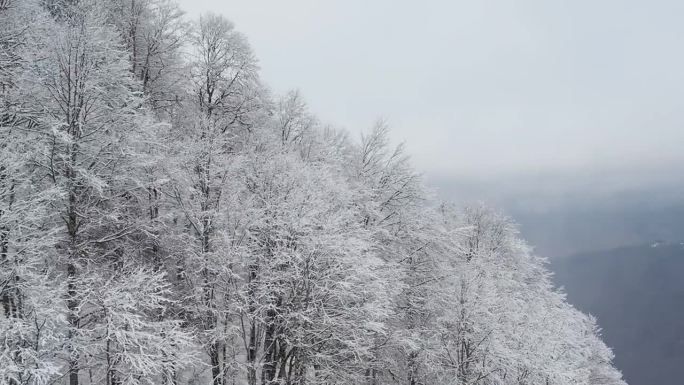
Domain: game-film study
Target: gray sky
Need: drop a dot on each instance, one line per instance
(484, 88)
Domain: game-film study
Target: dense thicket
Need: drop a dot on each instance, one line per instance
(165, 220)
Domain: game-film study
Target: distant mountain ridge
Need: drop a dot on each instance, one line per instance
(637, 295)
(578, 213)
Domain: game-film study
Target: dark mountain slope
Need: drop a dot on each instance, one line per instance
(637, 295)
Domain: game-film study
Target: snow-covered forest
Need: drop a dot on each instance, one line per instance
(166, 219)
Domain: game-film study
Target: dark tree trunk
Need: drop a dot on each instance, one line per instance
(270, 359)
(72, 307)
(216, 372)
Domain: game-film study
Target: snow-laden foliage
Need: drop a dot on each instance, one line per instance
(164, 219)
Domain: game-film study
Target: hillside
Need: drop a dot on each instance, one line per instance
(166, 219)
(637, 295)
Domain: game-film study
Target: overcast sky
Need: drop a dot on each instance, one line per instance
(484, 88)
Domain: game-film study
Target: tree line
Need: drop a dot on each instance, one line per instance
(166, 219)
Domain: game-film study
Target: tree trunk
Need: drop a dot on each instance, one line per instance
(269, 370)
(72, 224)
(72, 307)
(252, 343)
(251, 355)
(216, 372)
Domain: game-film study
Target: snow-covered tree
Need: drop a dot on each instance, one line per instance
(31, 321)
(89, 108)
(314, 294)
(153, 33)
(222, 110)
